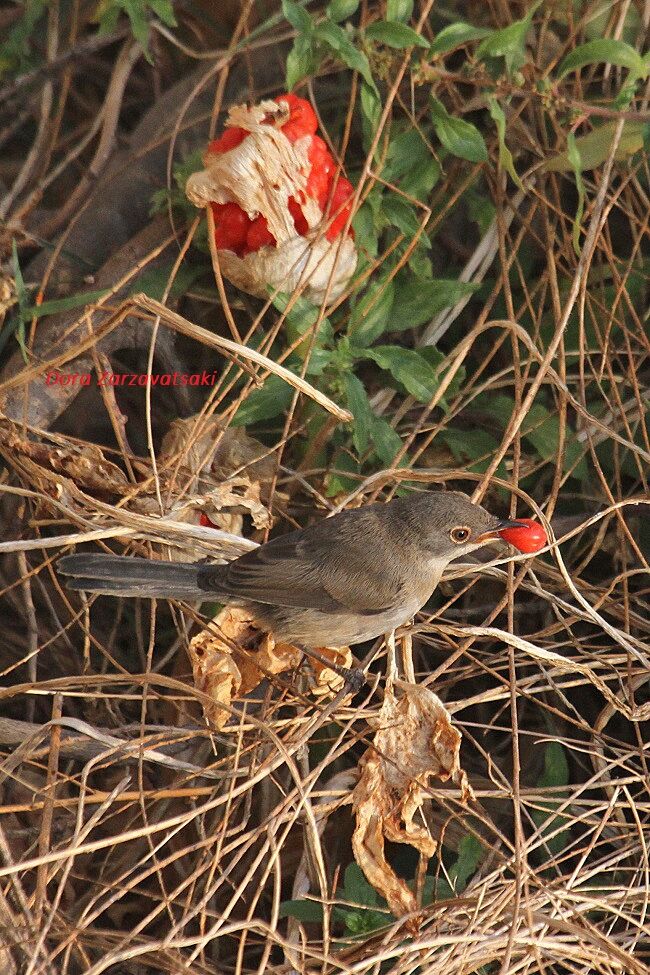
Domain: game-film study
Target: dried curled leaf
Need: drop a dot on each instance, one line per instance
(236, 493)
(327, 680)
(215, 674)
(414, 740)
(200, 446)
(85, 464)
(224, 474)
(233, 656)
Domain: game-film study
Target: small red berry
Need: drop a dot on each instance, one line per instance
(229, 139)
(205, 522)
(529, 539)
(231, 224)
(259, 235)
(342, 192)
(302, 117)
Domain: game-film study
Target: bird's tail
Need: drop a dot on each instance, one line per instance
(119, 575)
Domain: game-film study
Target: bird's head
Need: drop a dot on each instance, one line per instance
(449, 524)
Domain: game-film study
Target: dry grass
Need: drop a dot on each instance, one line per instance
(135, 839)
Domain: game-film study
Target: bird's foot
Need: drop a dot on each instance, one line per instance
(355, 679)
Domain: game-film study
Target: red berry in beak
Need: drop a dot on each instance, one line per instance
(530, 537)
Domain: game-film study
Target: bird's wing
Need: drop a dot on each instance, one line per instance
(301, 571)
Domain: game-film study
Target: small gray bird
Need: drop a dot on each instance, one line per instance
(344, 580)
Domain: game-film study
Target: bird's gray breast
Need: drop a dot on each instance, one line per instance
(313, 628)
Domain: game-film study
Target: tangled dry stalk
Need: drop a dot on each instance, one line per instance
(134, 837)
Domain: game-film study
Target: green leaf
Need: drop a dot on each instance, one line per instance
(357, 889)
(573, 154)
(403, 215)
(480, 209)
(505, 156)
(541, 430)
(459, 137)
(420, 301)
(556, 767)
(399, 9)
(57, 305)
(302, 60)
(470, 851)
(394, 34)
(605, 49)
(297, 16)
(509, 42)
(387, 441)
(138, 12)
(339, 10)
(340, 42)
(359, 405)
(594, 148)
(154, 281)
(302, 316)
(555, 774)
(363, 922)
(473, 449)
(303, 910)
(164, 10)
(371, 110)
(596, 24)
(365, 232)
(408, 367)
(300, 320)
(265, 403)
(16, 50)
(411, 164)
(337, 482)
(455, 36)
(419, 261)
(370, 315)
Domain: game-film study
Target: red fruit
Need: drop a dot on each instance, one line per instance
(529, 539)
(342, 192)
(205, 522)
(299, 221)
(231, 224)
(259, 235)
(321, 173)
(302, 117)
(228, 139)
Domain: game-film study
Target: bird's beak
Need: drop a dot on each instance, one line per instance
(498, 528)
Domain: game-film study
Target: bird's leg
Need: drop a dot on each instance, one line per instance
(354, 678)
(391, 659)
(406, 655)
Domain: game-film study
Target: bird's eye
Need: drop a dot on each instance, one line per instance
(460, 534)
